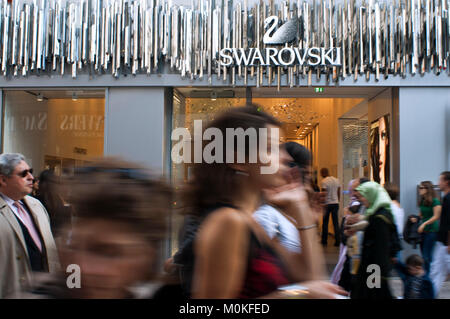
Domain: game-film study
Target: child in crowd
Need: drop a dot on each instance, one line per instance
(417, 284)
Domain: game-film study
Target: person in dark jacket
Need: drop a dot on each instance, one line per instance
(49, 194)
(417, 284)
(376, 247)
(182, 259)
(440, 267)
(410, 233)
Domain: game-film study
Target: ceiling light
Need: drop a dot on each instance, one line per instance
(39, 97)
(213, 96)
(74, 96)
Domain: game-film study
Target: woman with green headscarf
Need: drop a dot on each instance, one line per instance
(376, 253)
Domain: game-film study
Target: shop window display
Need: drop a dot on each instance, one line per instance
(53, 129)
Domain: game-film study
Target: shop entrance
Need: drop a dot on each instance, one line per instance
(346, 129)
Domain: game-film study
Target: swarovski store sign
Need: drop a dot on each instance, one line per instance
(227, 39)
(286, 56)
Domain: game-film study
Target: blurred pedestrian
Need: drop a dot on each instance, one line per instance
(115, 240)
(330, 185)
(337, 272)
(48, 193)
(247, 263)
(416, 283)
(26, 240)
(440, 265)
(35, 187)
(276, 224)
(279, 227)
(352, 233)
(397, 210)
(182, 261)
(377, 243)
(430, 212)
(411, 234)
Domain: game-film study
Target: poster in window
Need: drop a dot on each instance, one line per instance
(379, 150)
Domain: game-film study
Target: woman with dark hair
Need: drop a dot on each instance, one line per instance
(430, 212)
(379, 151)
(48, 193)
(276, 224)
(383, 160)
(233, 256)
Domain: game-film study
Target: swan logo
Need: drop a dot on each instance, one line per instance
(284, 34)
(286, 56)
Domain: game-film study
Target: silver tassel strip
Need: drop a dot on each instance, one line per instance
(138, 36)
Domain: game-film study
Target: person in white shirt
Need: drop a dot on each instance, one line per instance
(275, 223)
(279, 226)
(397, 210)
(331, 186)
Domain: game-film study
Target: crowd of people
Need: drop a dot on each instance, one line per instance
(245, 234)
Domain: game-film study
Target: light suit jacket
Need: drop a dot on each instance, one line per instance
(15, 268)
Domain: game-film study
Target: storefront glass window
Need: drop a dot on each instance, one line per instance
(355, 151)
(56, 130)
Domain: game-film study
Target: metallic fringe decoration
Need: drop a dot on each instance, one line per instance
(379, 38)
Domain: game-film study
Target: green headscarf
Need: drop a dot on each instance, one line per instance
(377, 197)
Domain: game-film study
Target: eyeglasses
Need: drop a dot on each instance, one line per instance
(24, 173)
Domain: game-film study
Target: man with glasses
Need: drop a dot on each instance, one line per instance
(26, 241)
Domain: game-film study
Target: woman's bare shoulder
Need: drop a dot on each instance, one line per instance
(225, 220)
(227, 215)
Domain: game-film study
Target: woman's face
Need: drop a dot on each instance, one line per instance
(362, 199)
(275, 160)
(383, 142)
(36, 184)
(422, 190)
(111, 258)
